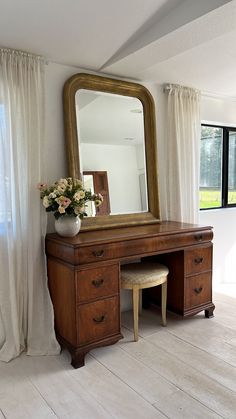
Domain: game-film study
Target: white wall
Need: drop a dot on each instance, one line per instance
(161, 111)
(221, 111)
(120, 163)
(55, 158)
(213, 110)
(140, 155)
(55, 155)
(217, 111)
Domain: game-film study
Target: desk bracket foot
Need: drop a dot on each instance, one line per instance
(77, 359)
(209, 312)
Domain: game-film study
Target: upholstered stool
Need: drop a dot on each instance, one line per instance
(136, 276)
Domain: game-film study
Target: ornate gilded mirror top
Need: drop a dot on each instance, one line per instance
(111, 144)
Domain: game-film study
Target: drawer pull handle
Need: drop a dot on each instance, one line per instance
(198, 237)
(97, 282)
(99, 319)
(98, 253)
(198, 260)
(198, 290)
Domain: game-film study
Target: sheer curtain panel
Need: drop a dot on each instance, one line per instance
(26, 315)
(183, 151)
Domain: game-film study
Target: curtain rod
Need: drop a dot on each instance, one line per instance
(23, 54)
(169, 86)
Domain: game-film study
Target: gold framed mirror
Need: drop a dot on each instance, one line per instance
(88, 98)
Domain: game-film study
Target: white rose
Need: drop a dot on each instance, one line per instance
(61, 188)
(79, 195)
(46, 202)
(61, 210)
(78, 182)
(52, 195)
(63, 182)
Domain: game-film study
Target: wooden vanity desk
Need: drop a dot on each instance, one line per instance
(84, 283)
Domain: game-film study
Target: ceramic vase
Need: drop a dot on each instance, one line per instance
(67, 225)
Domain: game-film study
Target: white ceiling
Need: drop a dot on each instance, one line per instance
(116, 120)
(191, 42)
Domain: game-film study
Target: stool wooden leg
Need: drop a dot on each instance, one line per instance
(163, 302)
(140, 304)
(135, 312)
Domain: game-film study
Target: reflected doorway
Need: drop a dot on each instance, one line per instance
(97, 182)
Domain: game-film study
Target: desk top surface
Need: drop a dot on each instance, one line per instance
(128, 233)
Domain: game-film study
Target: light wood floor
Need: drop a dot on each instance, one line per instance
(186, 370)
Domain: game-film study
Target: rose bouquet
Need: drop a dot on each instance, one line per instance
(67, 196)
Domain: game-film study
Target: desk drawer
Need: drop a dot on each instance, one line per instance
(140, 247)
(98, 320)
(198, 259)
(97, 282)
(198, 290)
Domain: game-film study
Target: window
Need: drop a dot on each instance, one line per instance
(217, 167)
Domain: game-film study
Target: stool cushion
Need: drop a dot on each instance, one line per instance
(141, 273)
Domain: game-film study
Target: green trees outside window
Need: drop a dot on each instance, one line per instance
(217, 167)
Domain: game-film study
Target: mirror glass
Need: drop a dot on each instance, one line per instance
(110, 140)
(110, 129)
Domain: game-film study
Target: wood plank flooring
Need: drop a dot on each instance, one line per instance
(186, 370)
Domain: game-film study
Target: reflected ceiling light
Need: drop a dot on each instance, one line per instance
(136, 111)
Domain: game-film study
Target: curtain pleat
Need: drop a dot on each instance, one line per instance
(183, 150)
(26, 314)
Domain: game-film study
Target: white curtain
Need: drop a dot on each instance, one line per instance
(26, 315)
(183, 151)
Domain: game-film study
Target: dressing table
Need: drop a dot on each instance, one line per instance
(84, 271)
(84, 278)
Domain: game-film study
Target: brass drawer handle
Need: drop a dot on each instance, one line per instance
(99, 319)
(198, 290)
(198, 260)
(98, 253)
(198, 237)
(97, 282)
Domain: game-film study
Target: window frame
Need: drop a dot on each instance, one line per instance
(225, 166)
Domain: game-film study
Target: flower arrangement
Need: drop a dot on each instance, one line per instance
(67, 196)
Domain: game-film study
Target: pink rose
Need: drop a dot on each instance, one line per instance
(42, 186)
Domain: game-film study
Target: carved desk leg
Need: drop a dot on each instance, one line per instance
(77, 357)
(209, 311)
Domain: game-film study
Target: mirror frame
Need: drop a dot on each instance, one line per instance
(124, 88)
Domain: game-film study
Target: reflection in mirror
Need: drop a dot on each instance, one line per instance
(112, 150)
(89, 186)
(97, 182)
(98, 93)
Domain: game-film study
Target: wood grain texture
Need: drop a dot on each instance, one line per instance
(98, 320)
(198, 259)
(97, 282)
(175, 290)
(95, 246)
(198, 290)
(63, 294)
(84, 278)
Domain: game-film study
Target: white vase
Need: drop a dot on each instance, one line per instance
(67, 225)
